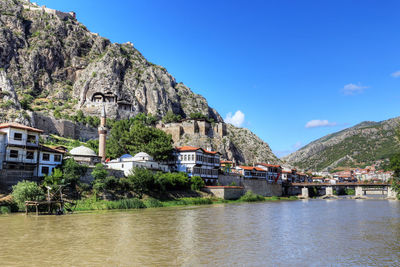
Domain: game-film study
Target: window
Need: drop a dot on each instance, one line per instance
(18, 136)
(57, 158)
(46, 156)
(14, 154)
(45, 170)
(29, 154)
(31, 139)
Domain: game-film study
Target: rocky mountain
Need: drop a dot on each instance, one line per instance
(52, 66)
(364, 144)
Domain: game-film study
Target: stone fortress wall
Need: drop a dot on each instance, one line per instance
(63, 128)
(36, 7)
(191, 127)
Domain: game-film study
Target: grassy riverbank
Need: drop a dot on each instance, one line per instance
(135, 203)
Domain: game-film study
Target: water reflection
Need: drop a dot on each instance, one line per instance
(310, 233)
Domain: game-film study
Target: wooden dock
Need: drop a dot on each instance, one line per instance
(49, 204)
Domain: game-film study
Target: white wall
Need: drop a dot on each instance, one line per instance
(51, 163)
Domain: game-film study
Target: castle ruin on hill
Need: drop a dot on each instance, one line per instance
(193, 126)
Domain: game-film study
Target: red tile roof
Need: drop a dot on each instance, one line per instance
(226, 162)
(192, 148)
(269, 165)
(19, 126)
(250, 168)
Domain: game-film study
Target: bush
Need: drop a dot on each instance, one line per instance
(171, 117)
(111, 183)
(233, 184)
(251, 197)
(198, 201)
(141, 181)
(72, 171)
(153, 203)
(124, 204)
(5, 210)
(196, 183)
(172, 181)
(350, 191)
(124, 184)
(99, 172)
(94, 204)
(25, 191)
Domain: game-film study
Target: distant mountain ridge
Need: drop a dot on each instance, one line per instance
(366, 143)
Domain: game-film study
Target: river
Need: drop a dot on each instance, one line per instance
(286, 233)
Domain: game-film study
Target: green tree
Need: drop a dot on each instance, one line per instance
(72, 171)
(141, 181)
(80, 116)
(56, 178)
(99, 172)
(171, 117)
(26, 191)
(94, 145)
(197, 115)
(149, 119)
(172, 181)
(133, 136)
(196, 183)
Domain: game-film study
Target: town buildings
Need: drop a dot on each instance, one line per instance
(141, 160)
(274, 172)
(21, 156)
(50, 158)
(196, 161)
(250, 172)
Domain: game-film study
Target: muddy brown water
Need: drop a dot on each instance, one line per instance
(287, 233)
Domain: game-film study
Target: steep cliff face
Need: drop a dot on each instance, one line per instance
(50, 55)
(364, 144)
(52, 66)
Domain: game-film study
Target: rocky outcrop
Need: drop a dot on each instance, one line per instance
(52, 66)
(51, 55)
(364, 144)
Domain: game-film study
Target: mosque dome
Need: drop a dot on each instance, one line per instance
(82, 151)
(142, 156)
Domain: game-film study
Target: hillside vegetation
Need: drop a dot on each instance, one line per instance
(364, 144)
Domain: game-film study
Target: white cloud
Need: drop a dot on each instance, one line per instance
(396, 74)
(319, 123)
(352, 89)
(237, 119)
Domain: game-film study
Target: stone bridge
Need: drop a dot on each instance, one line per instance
(360, 188)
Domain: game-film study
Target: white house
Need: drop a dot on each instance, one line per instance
(141, 160)
(196, 161)
(249, 172)
(49, 159)
(20, 148)
(2, 148)
(274, 172)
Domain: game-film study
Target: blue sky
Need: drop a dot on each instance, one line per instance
(296, 70)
